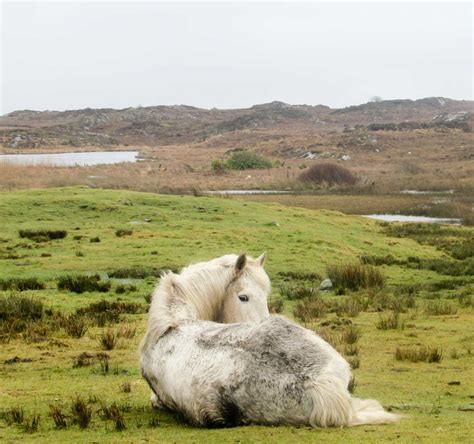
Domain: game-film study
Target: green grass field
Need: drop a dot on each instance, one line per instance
(437, 399)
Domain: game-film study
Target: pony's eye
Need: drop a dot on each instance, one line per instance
(244, 298)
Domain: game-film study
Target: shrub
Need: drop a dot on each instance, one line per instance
(125, 288)
(123, 232)
(81, 283)
(309, 310)
(328, 173)
(299, 276)
(246, 160)
(42, 235)
(419, 354)
(81, 413)
(135, 272)
(218, 167)
(18, 314)
(355, 276)
(21, 284)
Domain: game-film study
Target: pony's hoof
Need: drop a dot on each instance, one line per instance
(155, 402)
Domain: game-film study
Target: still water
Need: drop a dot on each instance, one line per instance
(70, 159)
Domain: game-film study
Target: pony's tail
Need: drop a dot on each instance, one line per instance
(333, 406)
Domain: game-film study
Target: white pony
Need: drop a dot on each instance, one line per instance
(262, 369)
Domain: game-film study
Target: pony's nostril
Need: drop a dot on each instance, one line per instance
(244, 298)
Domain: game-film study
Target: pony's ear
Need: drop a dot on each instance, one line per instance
(240, 263)
(261, 258)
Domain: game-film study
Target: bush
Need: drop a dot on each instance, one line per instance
(135, 272)
(246, 160)
(355, 276)
(75, 326)
(218, 167)
(328, 173)
(81, 283)
(42, 235)
(21, 284)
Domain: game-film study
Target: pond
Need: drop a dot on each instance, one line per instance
(401, 218)
(244, 192)
(70, 159)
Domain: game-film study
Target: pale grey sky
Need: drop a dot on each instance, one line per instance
(119, 54)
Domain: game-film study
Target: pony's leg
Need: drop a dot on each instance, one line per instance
(155, 401)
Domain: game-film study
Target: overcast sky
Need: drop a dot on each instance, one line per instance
(86, 54)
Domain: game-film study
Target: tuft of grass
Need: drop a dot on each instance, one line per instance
(21, 284)
(355, 276)
(59, 418)
(42, 235)
(103, 359)
(113, 413)
(83, 360)
(354, 362)
(276, 305)
(108, 339)
(104, 311)
(440, 308)
(352, 385)
(297, 292)
(310, 310)
(14, 415)
(75, 326)
(126, 387)
(78, 283)
(121, 232)
(419, 354)
(127, 332)
(94, 240)
(390, 321)
(31, 424)
(350, 335)
(81, 412)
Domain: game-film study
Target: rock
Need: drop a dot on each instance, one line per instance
(326, 285)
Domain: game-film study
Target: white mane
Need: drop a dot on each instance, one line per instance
(198, 292)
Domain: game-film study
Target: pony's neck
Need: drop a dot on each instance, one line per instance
(192, 295)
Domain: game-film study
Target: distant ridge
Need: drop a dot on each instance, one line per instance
(176, 124)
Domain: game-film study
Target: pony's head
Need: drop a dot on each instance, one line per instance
(246, 295)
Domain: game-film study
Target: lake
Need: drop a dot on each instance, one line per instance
(401, 218)
(70, 159)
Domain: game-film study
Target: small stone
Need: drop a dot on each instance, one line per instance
(326, 285)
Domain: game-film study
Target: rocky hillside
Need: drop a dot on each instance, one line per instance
(169, 125)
